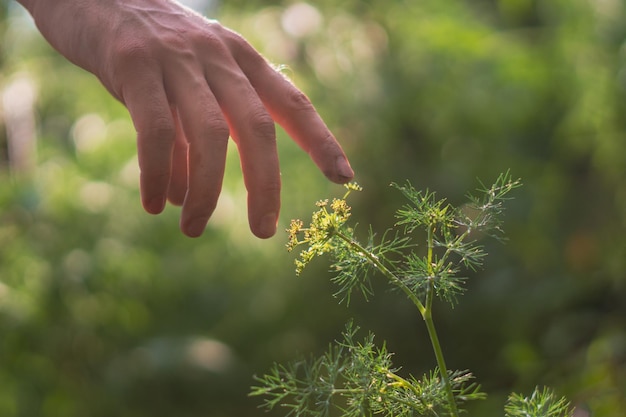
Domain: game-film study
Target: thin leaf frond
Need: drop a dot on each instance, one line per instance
(541, 403)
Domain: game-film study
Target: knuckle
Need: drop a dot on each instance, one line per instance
(223, 34)
(212, 39)
(240, 47)
(266, 189)
(296, 100)
(161, 130)
(217, 29)
(132, 51)
(263, 125)
(216, 127)
(324, 152)
(205, 39)
(271, 187)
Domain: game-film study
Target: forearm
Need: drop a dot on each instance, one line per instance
(71, 27)
(39, 7)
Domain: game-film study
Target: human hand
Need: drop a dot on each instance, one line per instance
(190, 83)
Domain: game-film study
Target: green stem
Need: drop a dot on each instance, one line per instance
(432, 331)
(383, 269)
(441, 363)
(347, 391)
(425, 310)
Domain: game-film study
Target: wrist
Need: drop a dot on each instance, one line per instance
(70, 26)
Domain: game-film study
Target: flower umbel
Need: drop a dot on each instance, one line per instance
(324, 226)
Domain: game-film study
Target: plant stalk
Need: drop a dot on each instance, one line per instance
(441, 363)
(383, 270)
(425, 310)
(427, 315)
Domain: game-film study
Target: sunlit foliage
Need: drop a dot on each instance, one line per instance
(102, 306)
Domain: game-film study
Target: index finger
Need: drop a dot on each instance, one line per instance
(292, 109)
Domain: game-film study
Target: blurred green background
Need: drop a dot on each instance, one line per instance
(106, 310)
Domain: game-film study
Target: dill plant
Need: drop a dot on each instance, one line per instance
(356, 377)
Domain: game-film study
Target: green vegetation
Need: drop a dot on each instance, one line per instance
(361, 374)
(105, 310)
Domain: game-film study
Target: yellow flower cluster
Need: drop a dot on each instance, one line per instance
(324, 225)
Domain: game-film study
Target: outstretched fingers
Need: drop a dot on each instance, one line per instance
(181, 147)
(290, 108)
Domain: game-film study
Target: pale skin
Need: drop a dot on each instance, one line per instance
(189, 84)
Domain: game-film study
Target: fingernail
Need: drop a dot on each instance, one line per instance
(154, 205)
(267, 225)
(344, 171)
(195, 227)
